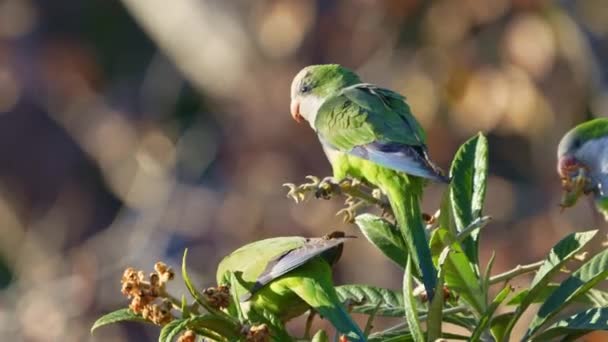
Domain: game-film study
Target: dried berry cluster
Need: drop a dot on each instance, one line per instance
(143, 293)
(218, 297)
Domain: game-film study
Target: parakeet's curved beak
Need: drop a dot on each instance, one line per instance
(567, 165)
(295, 111)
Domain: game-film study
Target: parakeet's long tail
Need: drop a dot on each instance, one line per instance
(405, 202)
(313, 284)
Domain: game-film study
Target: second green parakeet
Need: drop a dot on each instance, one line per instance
(289, 275)
(369, 133)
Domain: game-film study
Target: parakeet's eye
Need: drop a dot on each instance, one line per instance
(305, 88)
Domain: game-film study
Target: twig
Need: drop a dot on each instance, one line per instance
(309, 320)
(370, 320)
(423, 317)
(517, 271)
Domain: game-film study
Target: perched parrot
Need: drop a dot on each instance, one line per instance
(583, 163)
(289, 275)
(370, 134)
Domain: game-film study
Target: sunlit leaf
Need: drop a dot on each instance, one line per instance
(385, 236)
(122, 315)
(460, 274)
(364, 299)
(581, 280)
(563, 251)
(582, 322)
(469, 174)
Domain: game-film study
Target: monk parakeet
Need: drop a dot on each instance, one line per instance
(583, 163)
(289, 275)
(370, 134)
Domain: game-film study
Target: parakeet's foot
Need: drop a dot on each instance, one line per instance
(300, 193)
(352, 208)
(327, 187)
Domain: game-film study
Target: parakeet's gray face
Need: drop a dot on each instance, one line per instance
(313, 85)
(582, 166)
(567, 161)
(304, 102)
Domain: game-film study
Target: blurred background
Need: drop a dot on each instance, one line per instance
(132, 130)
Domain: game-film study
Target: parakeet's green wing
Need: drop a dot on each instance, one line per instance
(294, 258)
(362, 114)
(252, 259)
(375, 124)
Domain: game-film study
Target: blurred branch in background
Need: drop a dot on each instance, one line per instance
(206, 40)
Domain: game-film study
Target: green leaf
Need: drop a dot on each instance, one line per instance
(597, 298)
(498, 325)
(582, 322)
(391, 336)
(592, 297)
(435, 314)
(558, 256)
(172, 329)
(409, 304)
(581, 280)
(365, 298)
(320, 336)
(404, 335)
(191, 288)
(235, 296)
(486, 318)
(385, 236)
(485, 286)
(460, 275)
(207, 325)
(122, 315)
(469, 173)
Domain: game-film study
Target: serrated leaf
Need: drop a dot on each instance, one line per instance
(469, 174)
(409, 304)
(585, 321)
(563, 251)
(122, 315)
(581, 280)
(592, 297)
(597, 298)
(486, 318)
(172, 329)
(365, 298)
(210, 326)
(385, 236)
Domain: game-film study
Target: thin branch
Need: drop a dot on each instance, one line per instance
(517, 271)
(309, 320)
(423, 317)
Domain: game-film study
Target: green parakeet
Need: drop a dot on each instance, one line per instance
(289, 275)
(369, 133)
(583, 163)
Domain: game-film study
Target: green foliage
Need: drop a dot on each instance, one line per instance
(409, 304)
(121, 315)
(463, 296)
(385, 236)
(366, 299)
